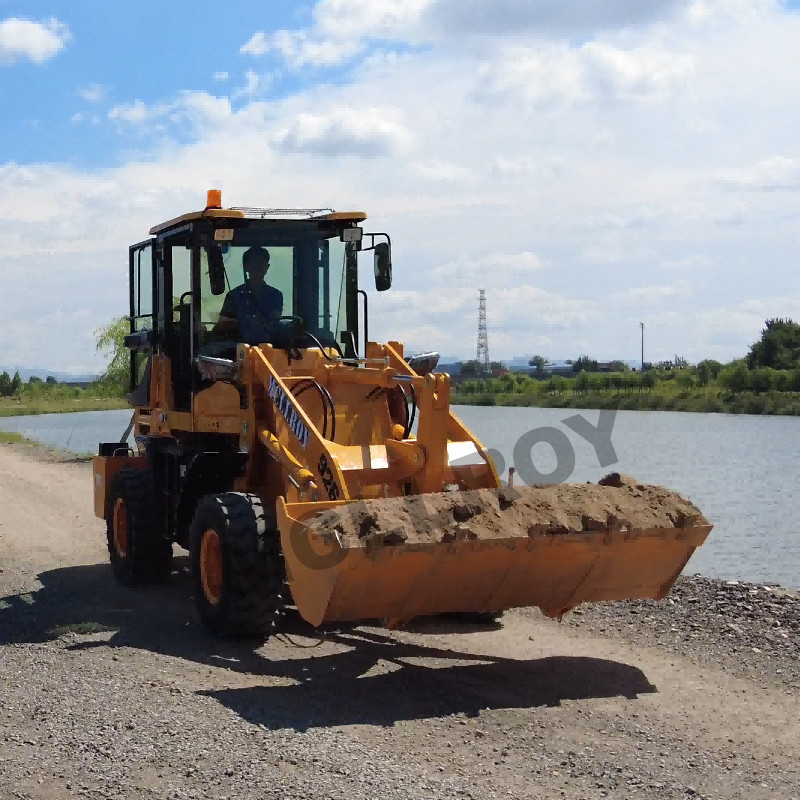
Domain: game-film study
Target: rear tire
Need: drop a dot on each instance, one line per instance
(237, 566)
(136, 551)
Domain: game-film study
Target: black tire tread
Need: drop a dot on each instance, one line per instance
(254, 581)
(149, 557)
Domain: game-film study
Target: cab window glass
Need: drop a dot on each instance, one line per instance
(143, 289)
(306, 266)
(181, 278)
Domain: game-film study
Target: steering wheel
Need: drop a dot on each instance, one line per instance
(290, 318)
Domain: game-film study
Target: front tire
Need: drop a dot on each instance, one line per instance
(136, 551)
(237, 566)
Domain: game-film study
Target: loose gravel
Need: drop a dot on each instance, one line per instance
(750, 629)
(107, 692)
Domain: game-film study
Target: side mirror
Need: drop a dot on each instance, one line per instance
(140, 342)
(383, 266)
(216, 269)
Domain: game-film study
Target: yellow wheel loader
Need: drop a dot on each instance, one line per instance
(302, 464)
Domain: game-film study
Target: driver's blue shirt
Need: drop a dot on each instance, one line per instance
(255, 311)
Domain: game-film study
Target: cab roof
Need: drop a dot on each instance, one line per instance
(285, 214)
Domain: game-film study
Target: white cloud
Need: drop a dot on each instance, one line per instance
(340, 30)
(220, 77)
(134, 113)
(199, 108)
(772, 174)
(692, 263)
(367, 132)
(443, 171)
(254, 85)
(571, 18)
(257, 45)
(36, 41)
(93, 93)
(640, 73)
(716, 11)
(558, 75)
(488, 270)
(651, 294)
(299, 48)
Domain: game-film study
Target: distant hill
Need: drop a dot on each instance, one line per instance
(64, 377)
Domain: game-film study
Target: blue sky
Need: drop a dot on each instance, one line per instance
(114, 53)
(591, 165)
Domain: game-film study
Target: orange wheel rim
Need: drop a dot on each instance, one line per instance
(211, 566)
(120, 524)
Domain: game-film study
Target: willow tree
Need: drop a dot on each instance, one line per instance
(111, 344)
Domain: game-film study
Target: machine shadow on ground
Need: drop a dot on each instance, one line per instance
(359, 675)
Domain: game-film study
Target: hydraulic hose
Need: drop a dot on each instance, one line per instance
(327, 403)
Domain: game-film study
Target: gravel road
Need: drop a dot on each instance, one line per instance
(115, 693)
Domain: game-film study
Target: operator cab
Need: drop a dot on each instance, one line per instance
(198, 289)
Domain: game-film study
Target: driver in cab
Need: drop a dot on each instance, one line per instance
(250, 311)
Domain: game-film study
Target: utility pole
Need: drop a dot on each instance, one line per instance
(641, 325)
(483, 336)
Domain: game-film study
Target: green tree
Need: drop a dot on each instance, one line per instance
(763, 379)
(5, 385)
(778, 347)
(16, 383)
(472, 367)
(508, 382)
(597, 381)
(735, 377)
(584, 364)
(558, 383)
(539, 362)
(648, 380)
(110, 342)
(707, 371)
(51, 381)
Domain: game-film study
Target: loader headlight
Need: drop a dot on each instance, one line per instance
(352, 234)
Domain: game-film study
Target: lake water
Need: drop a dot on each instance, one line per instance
(740, 470)
(77, 433)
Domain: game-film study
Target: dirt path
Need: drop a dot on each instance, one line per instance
(117, 693)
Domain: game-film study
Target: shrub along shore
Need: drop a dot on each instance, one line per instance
(707, 387)
(697, 400)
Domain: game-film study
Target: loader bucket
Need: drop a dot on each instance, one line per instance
(485, 550)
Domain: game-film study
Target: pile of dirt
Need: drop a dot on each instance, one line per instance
(616, 503)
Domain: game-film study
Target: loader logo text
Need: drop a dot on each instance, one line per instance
(284, 405)
(328, 481)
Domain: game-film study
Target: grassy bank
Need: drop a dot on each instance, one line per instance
(15, 407)
(18, 441)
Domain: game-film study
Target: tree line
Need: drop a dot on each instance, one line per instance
(766, 380)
